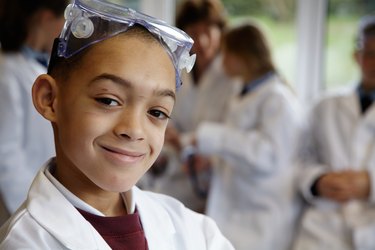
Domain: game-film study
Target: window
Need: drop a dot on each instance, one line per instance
(133, 4)
(277, 20)
(342, 22)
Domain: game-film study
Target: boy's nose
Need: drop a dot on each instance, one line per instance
(130, 126)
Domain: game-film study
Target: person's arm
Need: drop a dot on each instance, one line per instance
(316, 179)
(15, 177)
(343, 186)
(310, 167)
(264, 147)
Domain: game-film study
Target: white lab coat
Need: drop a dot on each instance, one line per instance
(340, 138)
(26, 138)
(47, 220)
(252, 193)
(206, 101)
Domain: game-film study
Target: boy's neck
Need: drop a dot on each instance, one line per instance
(108, 203)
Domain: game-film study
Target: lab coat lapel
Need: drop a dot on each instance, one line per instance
(351, 105)
(157, 224)
(368, 137)
(363, 134)
(369, 116)
(60, 218)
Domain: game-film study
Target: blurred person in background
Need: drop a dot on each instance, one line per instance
(338, 174)
(27, 31)
(205, 96)
(252, 196)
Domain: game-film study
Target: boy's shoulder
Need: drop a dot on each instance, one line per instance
(51, 221)
(156, 203)
(162, 214)
(21, 231)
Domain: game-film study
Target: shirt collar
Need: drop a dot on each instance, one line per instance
(361, 92)
(252, 85)
(78, 203)
(42, 58)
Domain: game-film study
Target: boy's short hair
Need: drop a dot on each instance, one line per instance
(88, 22)
(60, 67)
(366, 29)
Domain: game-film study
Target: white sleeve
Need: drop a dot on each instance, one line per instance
(310, 162)
(265, 147)
(214, 238)
(15, 177)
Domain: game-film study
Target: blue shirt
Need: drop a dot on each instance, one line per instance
(252, 85)
(366, 98)
(40, 57)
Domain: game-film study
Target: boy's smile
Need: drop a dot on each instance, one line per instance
(122, 155)
(111, 114)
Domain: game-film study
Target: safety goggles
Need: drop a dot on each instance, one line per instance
(91, 21)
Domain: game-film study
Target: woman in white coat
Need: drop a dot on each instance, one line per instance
(27, 30)
(205, 96)
(251, 196)
(337, 180)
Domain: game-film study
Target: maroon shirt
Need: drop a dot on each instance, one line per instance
(120, 232)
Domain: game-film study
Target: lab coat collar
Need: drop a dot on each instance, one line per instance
(77, 202)
(253, 84)
(361, 92)
(40, 57)
(349, 101)
(157, 224)
(351, 104)
(60, 218)
(73, 231)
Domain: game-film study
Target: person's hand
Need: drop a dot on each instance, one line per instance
(344, 186)
(360, 183)
(334, 186)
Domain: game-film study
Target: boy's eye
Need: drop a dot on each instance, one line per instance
(107, 101)
(158, 114)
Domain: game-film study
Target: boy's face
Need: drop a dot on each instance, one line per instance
(112, 112)
(366, 61)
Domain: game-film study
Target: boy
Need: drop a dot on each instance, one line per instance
(338, 183)
(109, 92)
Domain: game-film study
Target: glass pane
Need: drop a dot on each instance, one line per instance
(342, 22)
(133, 4)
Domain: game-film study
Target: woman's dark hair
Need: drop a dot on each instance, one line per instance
(15, 16)
(194, 11)
(248, 42)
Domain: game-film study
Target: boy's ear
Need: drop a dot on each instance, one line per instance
(44, 93)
